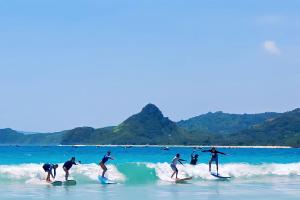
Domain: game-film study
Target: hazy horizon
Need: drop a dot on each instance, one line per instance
(94, 63)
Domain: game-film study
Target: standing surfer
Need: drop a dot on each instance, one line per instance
(105, 158)
(68, 165)
(174, 163)
(214, 157)
(51, 170)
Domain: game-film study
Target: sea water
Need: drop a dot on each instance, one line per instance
(144, 173)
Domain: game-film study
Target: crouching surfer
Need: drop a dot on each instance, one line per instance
(194, 158)
(51, 170)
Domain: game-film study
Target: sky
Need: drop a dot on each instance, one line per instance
(65, 64)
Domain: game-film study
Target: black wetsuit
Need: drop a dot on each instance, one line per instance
(214, 154)
(194, 159)
(68, 165)
(48, 167)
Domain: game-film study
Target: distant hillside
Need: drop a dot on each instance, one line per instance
(9, 136)
(283, 130)
(87, 135)
(150, 127)
(12, 137)
(225, 123)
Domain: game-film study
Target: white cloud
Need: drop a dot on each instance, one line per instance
(270, 19)
(271, 47)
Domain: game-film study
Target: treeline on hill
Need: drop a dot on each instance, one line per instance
(151, 127)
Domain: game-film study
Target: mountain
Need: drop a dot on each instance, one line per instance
(150, 126)
(224, 123)
(146, 127)
(282, 130)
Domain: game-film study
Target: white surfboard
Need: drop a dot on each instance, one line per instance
(104, 180)
(219, 176)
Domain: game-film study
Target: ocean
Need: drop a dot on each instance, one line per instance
(144, 173)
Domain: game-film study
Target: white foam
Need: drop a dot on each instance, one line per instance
(237, 170)
(34, 173)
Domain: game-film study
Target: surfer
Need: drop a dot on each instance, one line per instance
(214, 157)
(174, 163)
(105, 158)
(68, 165)
(194, 158)
(49, 168)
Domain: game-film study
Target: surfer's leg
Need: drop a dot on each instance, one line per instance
(217, 164)
(173, 174)
(48, 177)
(103, 168)
(175, 171)
(67, 173)
(210, 165)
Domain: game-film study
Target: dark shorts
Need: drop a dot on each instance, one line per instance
(174, 168)
(216, 160)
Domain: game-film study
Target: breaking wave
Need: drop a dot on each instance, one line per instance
(143, 173)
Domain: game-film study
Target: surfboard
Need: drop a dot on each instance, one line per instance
(69, 182)
(57, 183)
(183, 180)
(219, 176)
(104, 180)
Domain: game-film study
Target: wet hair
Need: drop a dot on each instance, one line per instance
(177, 155)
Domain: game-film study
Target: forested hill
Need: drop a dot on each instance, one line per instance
(150, 126)
(225, 123)
(282, 130)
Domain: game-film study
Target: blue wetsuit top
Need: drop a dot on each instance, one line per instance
(105, 159)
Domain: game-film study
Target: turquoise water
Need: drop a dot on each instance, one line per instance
(145, 173)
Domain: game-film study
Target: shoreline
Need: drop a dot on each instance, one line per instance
(183, 146)
(159, 146)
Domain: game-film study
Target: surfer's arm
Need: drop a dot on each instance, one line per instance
(180, 160)
(54, 173)
(221, 153)
(51, 174)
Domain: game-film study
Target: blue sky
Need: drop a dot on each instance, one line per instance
(94, 63)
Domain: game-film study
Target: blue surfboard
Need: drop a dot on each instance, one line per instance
(104, 180)
(219, 176)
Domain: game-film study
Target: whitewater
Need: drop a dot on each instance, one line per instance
(256, 173)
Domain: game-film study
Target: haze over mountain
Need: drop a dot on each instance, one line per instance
(150, 126)
(225, 123)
